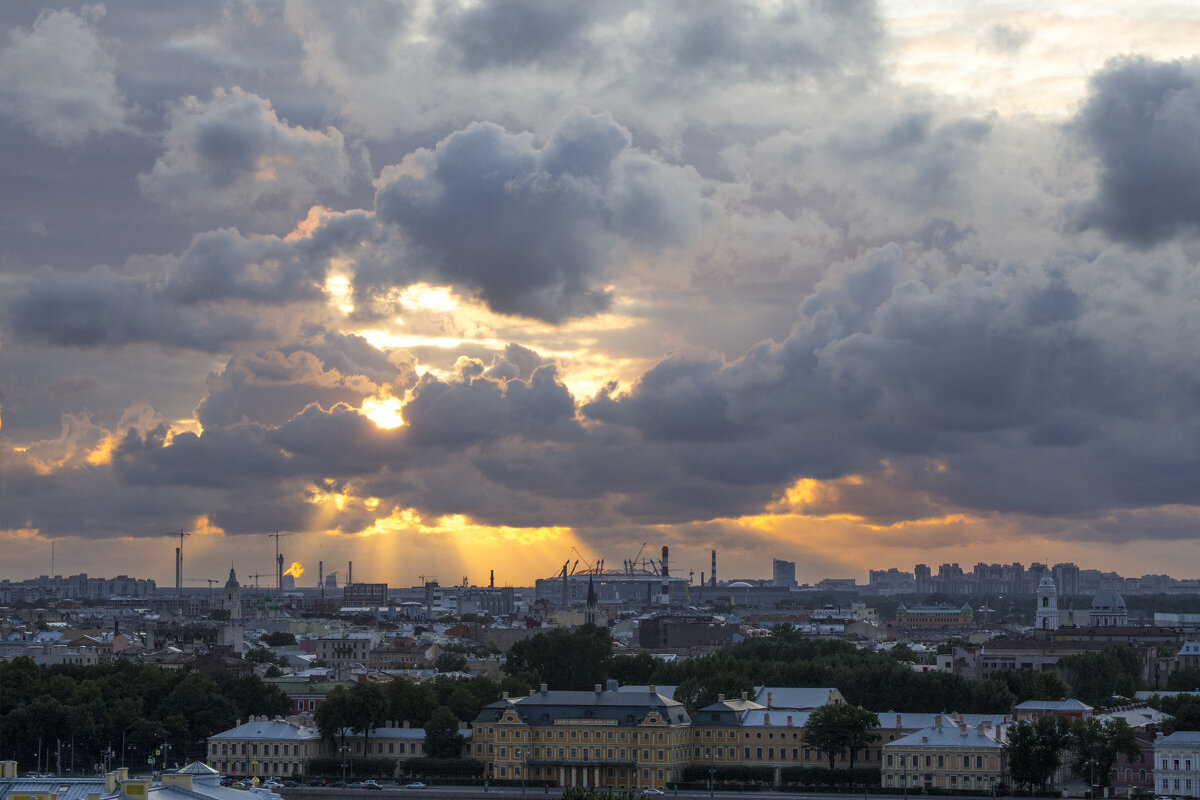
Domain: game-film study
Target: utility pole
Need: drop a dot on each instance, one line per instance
(278, 560)
(179, 560)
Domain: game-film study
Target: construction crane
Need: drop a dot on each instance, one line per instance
(210, 581)
(258, 575)
(179, 559)
(633, 561)
(586, 563)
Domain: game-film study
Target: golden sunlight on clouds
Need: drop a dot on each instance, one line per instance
(383, 411)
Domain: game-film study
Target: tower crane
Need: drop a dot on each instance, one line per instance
(210, 581)
(258, 575)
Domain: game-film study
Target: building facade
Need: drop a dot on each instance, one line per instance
(604, 738)
(1177, 764)
(946, 756)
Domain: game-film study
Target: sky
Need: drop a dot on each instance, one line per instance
(442, 288)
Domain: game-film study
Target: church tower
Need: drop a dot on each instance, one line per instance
(589, 613)
(233, 597)
(1047, 605)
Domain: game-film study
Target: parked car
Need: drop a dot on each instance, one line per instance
(371, 785)
(316, 782)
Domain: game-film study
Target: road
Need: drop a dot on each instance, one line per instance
(531, 793)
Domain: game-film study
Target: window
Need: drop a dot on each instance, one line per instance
(747, 754)
(889, 760)
(758, 753)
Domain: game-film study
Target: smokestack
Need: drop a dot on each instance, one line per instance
(665, 594)
(349, 572)
(712, 576)
(492, 580)
(279, 571)
(321, 577)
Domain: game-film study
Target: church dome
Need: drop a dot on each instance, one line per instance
(1108, 600)
(1046, 584)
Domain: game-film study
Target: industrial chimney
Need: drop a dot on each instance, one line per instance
(712, 576)
(665, 595)
(321, 577)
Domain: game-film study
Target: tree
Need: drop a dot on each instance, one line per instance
(570, 660)
(279, 639)
(1032, 684)
(450, 662)
(1096, 677)
(1097, 744)
(442, 739)
(366, 710)
(1034, 750)
(835, 729)
(333, 715)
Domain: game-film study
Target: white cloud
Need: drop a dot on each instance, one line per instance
(59, 79)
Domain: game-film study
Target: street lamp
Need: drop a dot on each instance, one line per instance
(904, 777)
(524, 766)
(343, 750)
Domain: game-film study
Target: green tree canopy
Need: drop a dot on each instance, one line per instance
(565, 660)
(1096, 745)
(840, 729)
(1034, 750)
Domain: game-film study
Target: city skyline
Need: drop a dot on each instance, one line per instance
(444, 288)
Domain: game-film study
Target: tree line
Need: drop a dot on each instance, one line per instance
(89, 713)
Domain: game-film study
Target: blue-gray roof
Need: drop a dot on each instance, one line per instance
(625, 708)
(269, 729)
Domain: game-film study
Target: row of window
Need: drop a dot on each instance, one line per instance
(577, 753)
(942, 761)
(1187, 763)
(232, 749)
(586, 735)
(1167, 784)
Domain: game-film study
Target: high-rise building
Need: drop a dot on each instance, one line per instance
(783, 572)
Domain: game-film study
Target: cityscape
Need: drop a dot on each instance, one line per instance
(606, 401)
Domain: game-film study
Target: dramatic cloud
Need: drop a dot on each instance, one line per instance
(233, 155)
(1141, 120)
(495, 279)
(59, 78)
(531, 229)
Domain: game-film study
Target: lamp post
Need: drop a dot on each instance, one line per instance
(904, 777)
(524, 766)
(343, 750)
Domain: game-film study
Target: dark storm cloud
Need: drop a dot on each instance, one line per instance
(103, 309)
(273, 386)
(1141, 121)
(531, 229)
(516, 32)
(186, 301)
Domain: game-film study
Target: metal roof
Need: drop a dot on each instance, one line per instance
(64, 788)
(950, 736)
(626, 708)
(796, 699)
(269, 729)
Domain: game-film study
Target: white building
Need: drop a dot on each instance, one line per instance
(1177, 764)
(1047, 604)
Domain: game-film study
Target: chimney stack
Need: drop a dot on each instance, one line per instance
(712, 576)
(665, 594)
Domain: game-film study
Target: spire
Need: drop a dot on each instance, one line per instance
(232, 583)
(589, 614)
